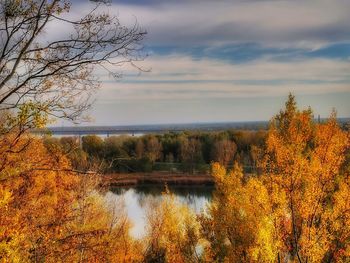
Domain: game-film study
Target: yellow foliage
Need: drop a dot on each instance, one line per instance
(297, 210)
(302, 173)
(173, 232)
(49, 213)
(238, 226)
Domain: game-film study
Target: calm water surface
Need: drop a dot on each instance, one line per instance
(137, 199)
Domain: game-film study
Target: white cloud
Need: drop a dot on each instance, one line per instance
(176, 81)
(182, 77)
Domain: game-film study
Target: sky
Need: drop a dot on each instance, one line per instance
(228, 60)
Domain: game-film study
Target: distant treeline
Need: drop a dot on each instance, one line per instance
(190, 152)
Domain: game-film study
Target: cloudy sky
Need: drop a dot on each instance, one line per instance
(229, 60)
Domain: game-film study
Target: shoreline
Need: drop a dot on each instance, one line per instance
(161, 178)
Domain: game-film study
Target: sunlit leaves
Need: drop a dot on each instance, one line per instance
(49, 213)
(302, 172)
(173, 232)
(238, 226)
(298, 209)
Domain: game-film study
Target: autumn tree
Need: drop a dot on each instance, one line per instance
(47, 211)
(302, 174)
(93, 145)
(297, 210)
(172, 232)
(224, 151)
(50, 213)
(191, 152)
(70, 147)
(153, 148)
(237, 226)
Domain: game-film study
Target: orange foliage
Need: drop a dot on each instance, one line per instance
(238, 227)
(172, 232)
(50, 213)
(296, 210)
(302, 174)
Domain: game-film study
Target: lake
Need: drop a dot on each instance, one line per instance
(136, 199)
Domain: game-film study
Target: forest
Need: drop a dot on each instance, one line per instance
(187, 152)
(296, 209)
(292, 206)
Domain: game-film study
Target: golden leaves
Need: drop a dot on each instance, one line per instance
(302, 165)
(173, 231)
(238, 226)
(49, 213)
(298, 209)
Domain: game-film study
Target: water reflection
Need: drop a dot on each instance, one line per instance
(137, 199)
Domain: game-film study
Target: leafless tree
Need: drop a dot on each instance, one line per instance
(57, 75)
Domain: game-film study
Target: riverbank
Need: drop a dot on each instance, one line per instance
(134, 179)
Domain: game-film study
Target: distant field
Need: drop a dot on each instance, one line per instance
(157, 128)
(161, 128)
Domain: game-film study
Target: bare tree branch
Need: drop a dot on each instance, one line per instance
(58, 75)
